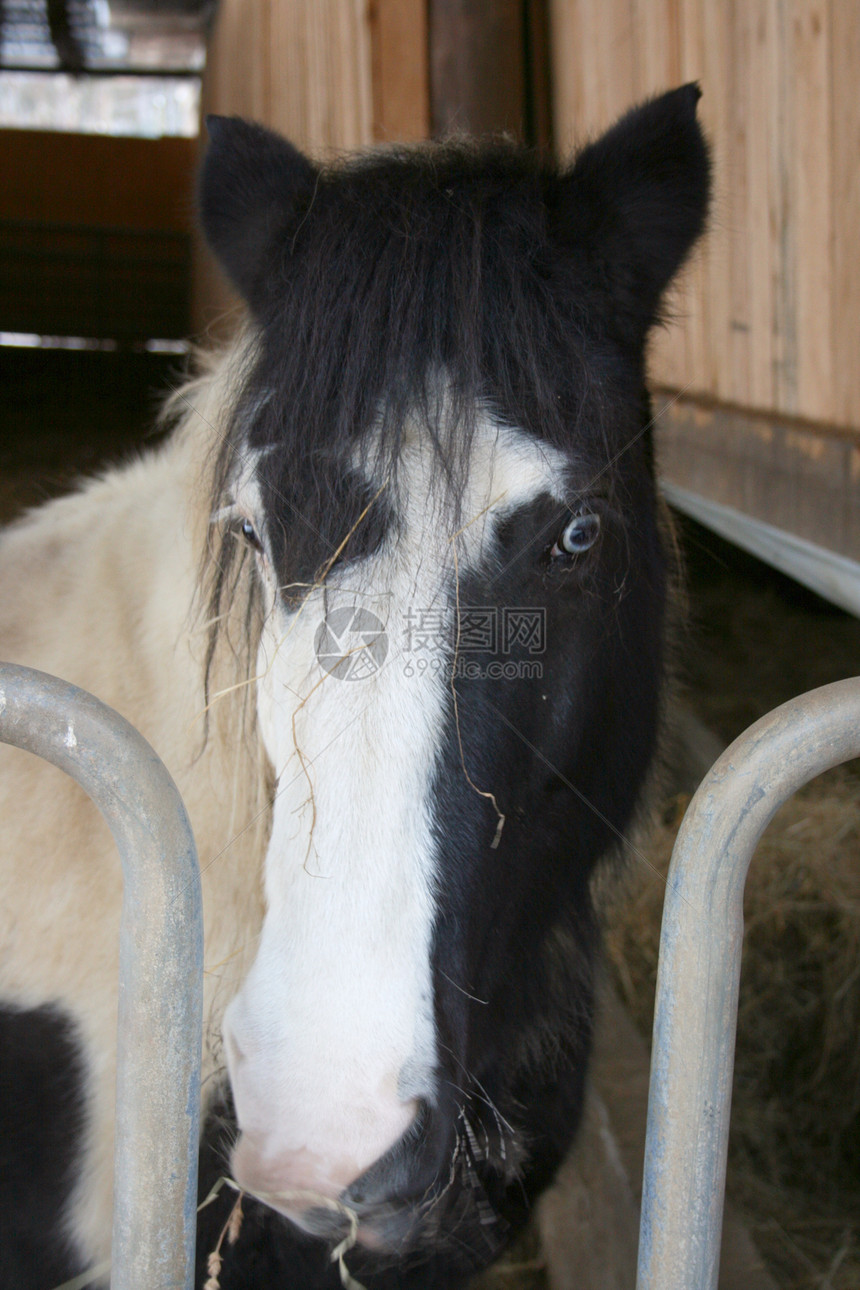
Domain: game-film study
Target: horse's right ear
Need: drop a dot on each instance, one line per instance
(251, 183)
(634, 203)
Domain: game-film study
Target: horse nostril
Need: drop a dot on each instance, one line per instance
(409, 1167)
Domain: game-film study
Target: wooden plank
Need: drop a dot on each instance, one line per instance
(783, 98)
(657, 32)
(538, 76)
(477, 70)
(232, 78)
(304, 68)
(689, 339)
(490, 68)
(811, 197)
(735, 380)
(133, 183)
(671, 49)
(75, 280)
(762, 213)
(568, 74)
(595, 66)
(257, 64)
(771, 312)
(721, 237)
(845, 308)
(401, 74)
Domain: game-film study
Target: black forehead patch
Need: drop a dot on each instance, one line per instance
(314, 524)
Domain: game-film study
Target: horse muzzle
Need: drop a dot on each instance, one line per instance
(384, 1209)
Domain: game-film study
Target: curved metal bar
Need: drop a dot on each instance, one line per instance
(699, 970)
(161, 967)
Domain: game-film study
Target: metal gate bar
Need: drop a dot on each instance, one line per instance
(699, 970)
(161, 967)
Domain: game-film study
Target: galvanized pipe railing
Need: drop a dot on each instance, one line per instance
(699, 969)
(161, 967)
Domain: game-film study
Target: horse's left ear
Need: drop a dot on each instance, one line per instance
(634, 202)
(251, 185)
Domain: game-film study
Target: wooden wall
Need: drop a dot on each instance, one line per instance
(771, 309)
(489, 68)
(764, 352)
(97, 179)
(340, 74)
(303, 68)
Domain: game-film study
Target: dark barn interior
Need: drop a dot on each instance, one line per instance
(95, 241)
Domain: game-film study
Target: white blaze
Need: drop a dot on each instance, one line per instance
(331, 1040)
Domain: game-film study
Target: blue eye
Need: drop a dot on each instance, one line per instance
(580, 533)
(249, 533)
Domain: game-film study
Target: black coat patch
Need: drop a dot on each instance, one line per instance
(41, 1124)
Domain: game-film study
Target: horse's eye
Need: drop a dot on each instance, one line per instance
(580, 533)
(249, 533)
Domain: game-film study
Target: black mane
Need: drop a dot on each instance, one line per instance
(407, 265)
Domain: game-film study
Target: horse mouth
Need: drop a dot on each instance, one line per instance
(457, 1209)
(387, 1225)
(385, 1228)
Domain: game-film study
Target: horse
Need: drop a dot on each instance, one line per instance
(391, 601)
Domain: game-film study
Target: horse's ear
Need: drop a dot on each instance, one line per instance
(635, 201)
(251, 184)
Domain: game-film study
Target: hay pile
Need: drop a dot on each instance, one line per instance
(754, 638)
(794, 1155)
(520, 1268)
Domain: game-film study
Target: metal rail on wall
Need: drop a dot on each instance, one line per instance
(699, 970)
(161, 966)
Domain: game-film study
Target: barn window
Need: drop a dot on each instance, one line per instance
(99, 113)
(84, 66)
(146, 106)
